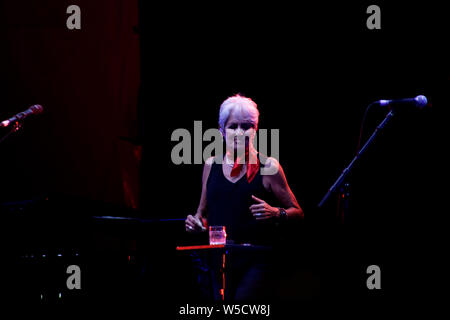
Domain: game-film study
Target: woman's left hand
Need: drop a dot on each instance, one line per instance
(262, 210)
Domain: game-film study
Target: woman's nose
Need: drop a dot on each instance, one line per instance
(240, 131)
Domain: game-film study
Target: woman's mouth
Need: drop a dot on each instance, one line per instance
(241, 141)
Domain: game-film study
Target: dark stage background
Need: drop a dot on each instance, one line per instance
(114, 91)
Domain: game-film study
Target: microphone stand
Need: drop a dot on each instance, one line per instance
(345, 190)
(14, 128)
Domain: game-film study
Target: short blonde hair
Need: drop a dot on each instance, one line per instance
(245, 105)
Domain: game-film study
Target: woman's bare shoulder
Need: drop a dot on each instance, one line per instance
(209, 162)
(207, 167)
(270, 165)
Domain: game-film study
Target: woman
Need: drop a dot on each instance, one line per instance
(227, 197)
(236, 194)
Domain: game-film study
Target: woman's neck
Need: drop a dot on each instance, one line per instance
(231, 155)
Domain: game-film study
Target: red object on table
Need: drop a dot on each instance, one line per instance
(206, 246)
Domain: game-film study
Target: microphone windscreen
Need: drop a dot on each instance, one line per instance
(421, 101)
(37, 108)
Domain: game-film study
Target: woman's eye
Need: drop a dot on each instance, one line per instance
(247, 126)
(232, 126)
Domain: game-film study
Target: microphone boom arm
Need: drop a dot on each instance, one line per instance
(347, 170)
(14, 128)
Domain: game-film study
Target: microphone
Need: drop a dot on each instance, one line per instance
(36, 109)
(419, 102)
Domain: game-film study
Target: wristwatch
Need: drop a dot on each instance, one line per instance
(283, 214)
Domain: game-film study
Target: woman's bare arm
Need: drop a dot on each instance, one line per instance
(192, 221)
(201, 210)
(278, 185)
(280, 188)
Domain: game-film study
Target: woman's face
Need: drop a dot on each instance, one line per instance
(239, 132)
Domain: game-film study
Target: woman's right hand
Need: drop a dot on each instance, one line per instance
(193, 224)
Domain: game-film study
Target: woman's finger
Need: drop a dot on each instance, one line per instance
(261, 216)
(193, 220)
(189, 223)
(255, 210)
(257, 206)
(257, 199)
(198, 223)
(261, 213)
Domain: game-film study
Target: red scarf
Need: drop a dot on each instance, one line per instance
(252, 168)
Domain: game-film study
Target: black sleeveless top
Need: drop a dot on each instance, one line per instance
(228, 204)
